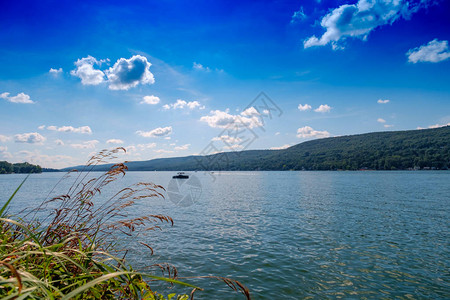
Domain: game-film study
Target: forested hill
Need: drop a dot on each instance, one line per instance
(392, 150)
(8, 168)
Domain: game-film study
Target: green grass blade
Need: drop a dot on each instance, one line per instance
(12, 196)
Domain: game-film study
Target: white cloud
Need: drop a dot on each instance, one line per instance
(388, 126)
(19, 98)
(163, 151)
(184, 147)
(200, 67)
(304, 107)
(150, 100)
(86, 72)
(180, 104)
(281, 147)
(323, 108)
(128, 73)
(277, 133)
(435, 126)
(381, 101)
(358, 20)
(82, 129)
(31, 138)
(308, 132)
(227, 139)
(55, 72)
(298, 16)
(146, 146)
(435, 51)
(42, 127)
(59, 142)
(85, 145)
(114, 141)
(157, 132)
(222, 119)
(380, 120)
(4, 138)
(250, 112)
(49, 161)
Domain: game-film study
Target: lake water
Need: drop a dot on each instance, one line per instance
(293, 235)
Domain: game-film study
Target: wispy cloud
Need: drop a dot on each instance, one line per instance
(298, 16)
(381, 101)
(184, 147)
(114, 141)
(380, 120)
(85, 145)
(435, 51)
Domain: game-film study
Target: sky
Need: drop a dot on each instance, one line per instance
(178, 78)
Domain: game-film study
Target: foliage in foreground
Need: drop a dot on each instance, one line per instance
(69, 254)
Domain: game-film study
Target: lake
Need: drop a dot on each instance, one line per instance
(293, 235)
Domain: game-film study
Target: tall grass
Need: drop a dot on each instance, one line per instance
(63, 248)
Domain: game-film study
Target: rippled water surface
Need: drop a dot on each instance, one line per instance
(292, 235)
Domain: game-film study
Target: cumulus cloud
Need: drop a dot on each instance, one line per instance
(380, 120)
(435, 51)
(114, 141)
(19, 98)
(323, 108)
(381, 101)
(304, 107)
(82, 129)
(180, 104)
(150, 100)
(128, 73)
(435, 126)
(184, 147)
(358, 20)
(85, 145)
(86, 72)
(55, 72)
(281, 147)
(31, 138)
(308, 132)
(59, 142)
(4, 138)
(222, 119)
(157, 132)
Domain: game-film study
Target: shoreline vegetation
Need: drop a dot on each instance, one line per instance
(63, 249)
(424, 149)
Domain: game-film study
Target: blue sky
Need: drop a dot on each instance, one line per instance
(172, 78)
